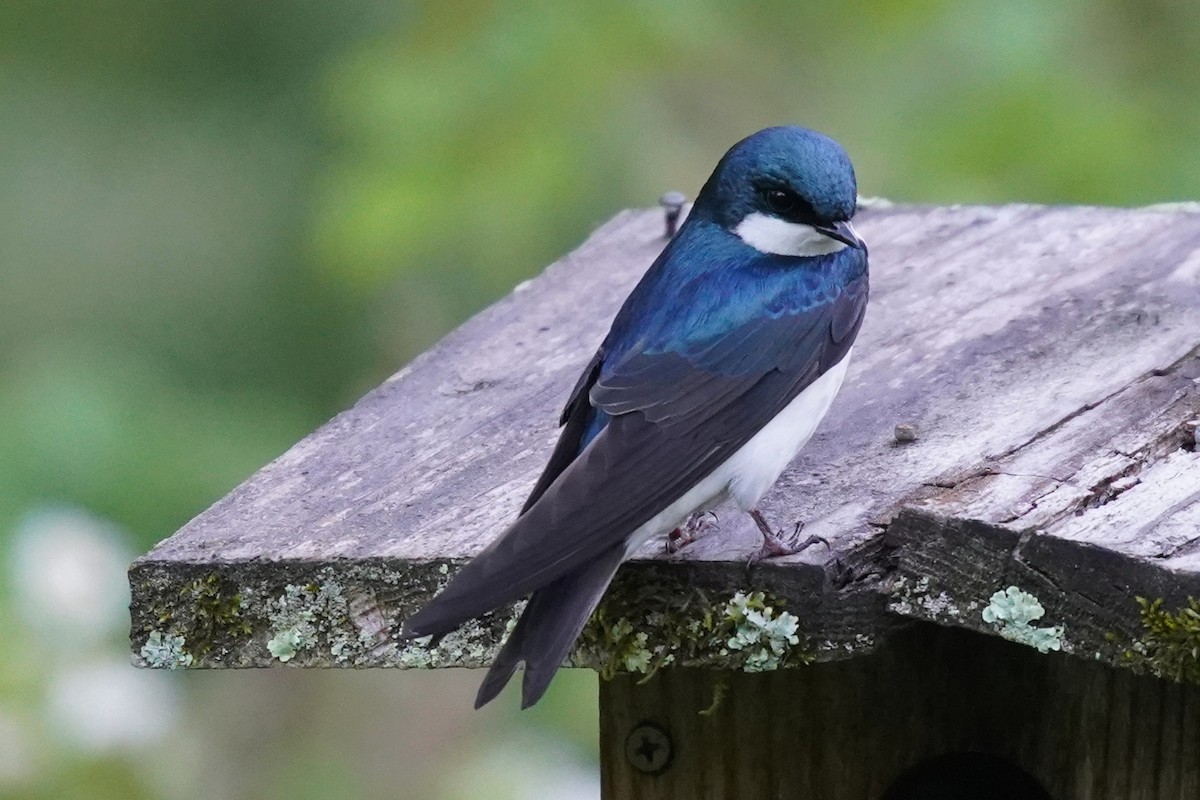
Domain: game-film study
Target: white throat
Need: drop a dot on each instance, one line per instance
(782, 238)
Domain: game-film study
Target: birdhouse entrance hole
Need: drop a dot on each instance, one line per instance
(956, 776)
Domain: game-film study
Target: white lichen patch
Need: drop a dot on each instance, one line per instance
(1012, 610)
(920, 600)
(746, 632)
(417, 654)
(294, 621)
(286, 643)
(467, 646)
(762, 635)
(636, 655)
(304, 617)
(348, 623)
(165, 651)
(331, 616)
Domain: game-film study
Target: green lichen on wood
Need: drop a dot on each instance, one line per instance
(165, 651)
(642, 628)
(1011, 611)
(326, 617)
(260, 614)
(329, 622)
(764, 636)
(183, 628)
(1170, 644)
(470, 644)
(299, 615)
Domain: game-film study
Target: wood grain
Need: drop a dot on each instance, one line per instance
(1087, 516)
(848, 730)
(1045, 355)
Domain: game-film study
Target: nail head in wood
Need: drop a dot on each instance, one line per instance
(672, 203)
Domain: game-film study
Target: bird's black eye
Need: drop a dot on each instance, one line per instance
(781, 202)
(787, 205)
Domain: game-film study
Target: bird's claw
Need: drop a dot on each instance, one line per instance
(689, 531)
(776, 544)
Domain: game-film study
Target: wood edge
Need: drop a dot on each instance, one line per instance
(1094, 601)
(307, 613)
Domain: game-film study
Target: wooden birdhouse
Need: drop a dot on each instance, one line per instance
(1009, 485)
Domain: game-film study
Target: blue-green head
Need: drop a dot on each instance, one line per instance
(786, 190)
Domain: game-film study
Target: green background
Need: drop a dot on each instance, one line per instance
(222, 222)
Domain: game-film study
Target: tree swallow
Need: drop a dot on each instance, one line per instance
(716, 371)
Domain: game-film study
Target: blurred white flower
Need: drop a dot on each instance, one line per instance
(565, 782)
(18, 752)
(108, 705)
(68, 576)
(70, 589)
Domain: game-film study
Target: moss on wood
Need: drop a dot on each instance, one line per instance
(1170, 644)
(642, 627)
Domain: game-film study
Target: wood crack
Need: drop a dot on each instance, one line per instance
(1051, 429)
(1033, 504)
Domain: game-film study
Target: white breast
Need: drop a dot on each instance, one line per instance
(747, 474)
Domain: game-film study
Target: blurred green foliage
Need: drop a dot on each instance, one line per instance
(222, 222)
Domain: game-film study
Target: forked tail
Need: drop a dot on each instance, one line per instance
(548, 628)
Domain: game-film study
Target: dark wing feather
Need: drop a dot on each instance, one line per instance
(576, 416)
(641, 462)
(681, 391)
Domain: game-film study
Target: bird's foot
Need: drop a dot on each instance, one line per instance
(689, 531)
(776, 544)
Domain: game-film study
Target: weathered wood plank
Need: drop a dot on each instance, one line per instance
(851, 729)
(1087, 517)
(990, 329)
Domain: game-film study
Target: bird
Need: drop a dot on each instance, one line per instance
(717, 369)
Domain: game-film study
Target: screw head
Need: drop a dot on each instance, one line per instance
(672, 203)
(672, 200)
(649, 748)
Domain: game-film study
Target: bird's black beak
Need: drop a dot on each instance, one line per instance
(843, 232)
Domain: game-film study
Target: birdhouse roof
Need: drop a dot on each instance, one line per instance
(1013, 451)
